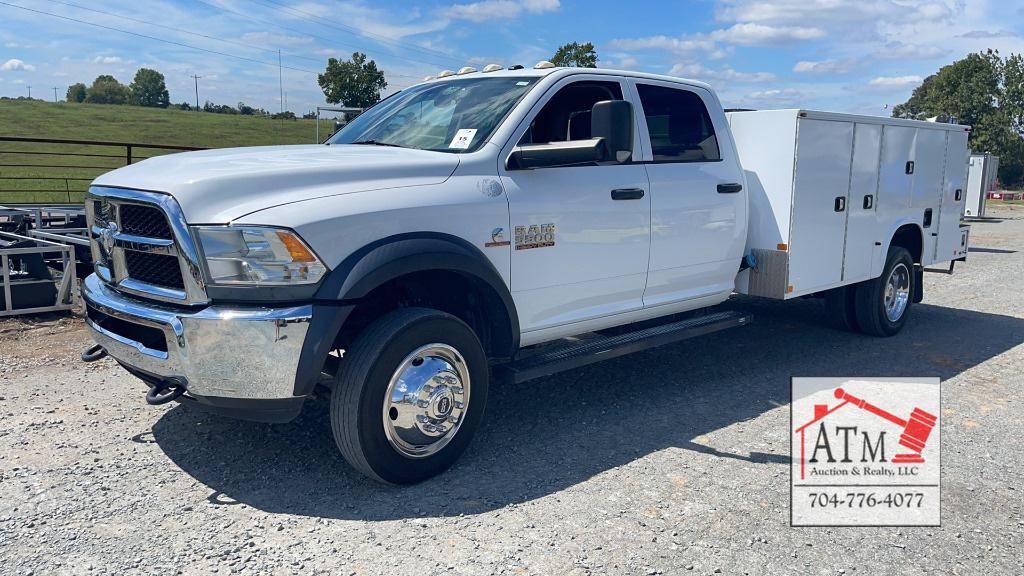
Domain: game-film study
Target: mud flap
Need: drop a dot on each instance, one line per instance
(918, 283)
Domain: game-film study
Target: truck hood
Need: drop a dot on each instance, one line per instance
(218, 186)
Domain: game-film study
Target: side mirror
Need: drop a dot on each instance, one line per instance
(611, 128)
(612, 121)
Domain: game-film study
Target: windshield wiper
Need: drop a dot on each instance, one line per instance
(378, 143)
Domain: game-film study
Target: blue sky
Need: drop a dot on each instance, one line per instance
(854, 56)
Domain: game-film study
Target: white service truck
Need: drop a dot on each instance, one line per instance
(500, 225)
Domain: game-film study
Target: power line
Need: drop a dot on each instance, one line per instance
(395, 42)
(183, 31)
(321, 38)
(164, 40)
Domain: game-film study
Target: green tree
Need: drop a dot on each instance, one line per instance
(985, 91)
(106, 89)
(149, 89)
(576, 54)
(354, 82)
(76, 93)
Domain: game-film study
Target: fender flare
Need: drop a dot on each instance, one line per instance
(382, 261)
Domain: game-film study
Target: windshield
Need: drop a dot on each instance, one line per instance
(450, 116)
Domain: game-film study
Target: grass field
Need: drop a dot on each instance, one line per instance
(59, 177)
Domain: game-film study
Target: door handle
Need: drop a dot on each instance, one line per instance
(840, 204)
(627, 193)
(731, 188)
(869, 201)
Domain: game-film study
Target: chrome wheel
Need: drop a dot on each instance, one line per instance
(897, 292)
(426, 400)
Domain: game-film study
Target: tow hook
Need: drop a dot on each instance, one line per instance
(164, 391)
(94, 353)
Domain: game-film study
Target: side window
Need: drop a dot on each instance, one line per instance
(567, 115)
(679, 125)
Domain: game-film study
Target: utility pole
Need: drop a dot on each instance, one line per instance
(29, 92)
(280, 78)
(54, 94)
(196, 78)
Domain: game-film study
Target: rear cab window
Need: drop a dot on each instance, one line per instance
(678, 125)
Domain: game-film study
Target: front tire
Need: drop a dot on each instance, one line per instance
(409, 396)
(883, 304)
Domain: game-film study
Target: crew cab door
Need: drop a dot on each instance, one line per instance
(580, 234)
(698, 206)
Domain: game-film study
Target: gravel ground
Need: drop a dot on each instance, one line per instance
(672, 461)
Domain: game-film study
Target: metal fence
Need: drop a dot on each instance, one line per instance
(53, 171)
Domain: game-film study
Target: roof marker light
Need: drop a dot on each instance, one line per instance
(466, 70)
(428, 78)
(542, 65)
(445, 73)
(492, 67)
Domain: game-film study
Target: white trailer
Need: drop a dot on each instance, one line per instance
(828, 191)
(981, 179)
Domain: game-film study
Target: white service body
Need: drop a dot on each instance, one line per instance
(981, 179)
(827, 192)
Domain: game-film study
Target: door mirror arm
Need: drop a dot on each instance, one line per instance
(557, 154)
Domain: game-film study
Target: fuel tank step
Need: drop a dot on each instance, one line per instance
(560, 357)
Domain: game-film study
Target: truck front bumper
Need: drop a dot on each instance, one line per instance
(239, 360)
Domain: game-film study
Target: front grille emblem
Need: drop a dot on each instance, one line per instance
(107, 237)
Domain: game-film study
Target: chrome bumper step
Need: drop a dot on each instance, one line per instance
(574, 355)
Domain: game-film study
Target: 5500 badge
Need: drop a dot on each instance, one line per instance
(535, 236)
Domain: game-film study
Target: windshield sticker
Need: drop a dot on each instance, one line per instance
(463, 138)
(522, 83)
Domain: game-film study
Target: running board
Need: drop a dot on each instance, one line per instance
(586, 352)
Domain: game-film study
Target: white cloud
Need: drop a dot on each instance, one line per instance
(15, 64)
(271, 39)
(620, 62)
(894, 81)
(774, 93)
(988, 34)
(897, 50)
(110, 60)
(500, 9)
(719, 43)
(828, 12)
(725, 74)
(750, 34)
(824, 66)
(11, 45)
(682, 45)
(773, 97)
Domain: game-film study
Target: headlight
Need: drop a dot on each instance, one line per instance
(258, 255)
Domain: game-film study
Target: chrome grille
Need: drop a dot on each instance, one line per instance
(156, 269)
(147, 221)
(142, 246)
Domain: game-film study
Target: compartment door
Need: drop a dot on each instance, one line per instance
(862, 222)
(820, 203)
(929, 175)
(894, 185)
(948, 246)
